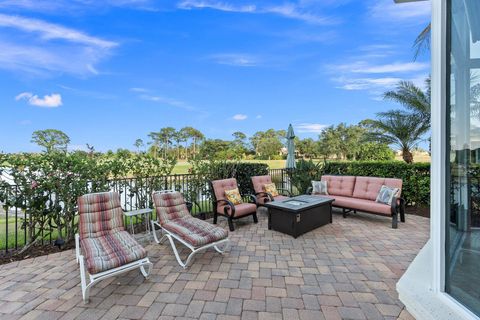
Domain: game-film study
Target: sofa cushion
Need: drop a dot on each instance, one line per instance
(240, 209)
(369, 187)
(340, 185)
(111, 251)
(194, 231)
(361, 205)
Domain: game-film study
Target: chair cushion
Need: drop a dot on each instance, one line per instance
(196, 232)
(219, 187)
(369, 187)
(361, 205)
(169, 206)
(340, 185)
(280, 198)
(272, 189)
(233, 196)
(263, 199)
(100, 214)
(111, 251)
(259, 182)
(240, 209)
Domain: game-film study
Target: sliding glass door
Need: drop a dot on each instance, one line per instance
(462, 268)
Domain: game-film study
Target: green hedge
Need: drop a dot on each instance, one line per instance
(416, 176)
(242, 171)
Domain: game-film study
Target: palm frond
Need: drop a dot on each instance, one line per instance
(422, 42)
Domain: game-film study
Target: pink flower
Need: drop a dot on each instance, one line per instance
(34, 184)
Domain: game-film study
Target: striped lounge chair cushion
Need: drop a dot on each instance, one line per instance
(110, 251)
(194, 231)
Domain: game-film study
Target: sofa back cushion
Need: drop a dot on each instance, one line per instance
(369, 187)
(100, 214)
(340, 185)
(259, 183)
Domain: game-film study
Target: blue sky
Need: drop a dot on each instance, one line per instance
(110, 73)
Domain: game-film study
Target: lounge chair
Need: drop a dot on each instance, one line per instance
(259, 183)
(176, 222)
(224, 207)
(102, 246)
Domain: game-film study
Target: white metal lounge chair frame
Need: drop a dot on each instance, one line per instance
(97, 277)
(170, 236)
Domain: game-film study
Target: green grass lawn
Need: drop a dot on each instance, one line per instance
(183, 166)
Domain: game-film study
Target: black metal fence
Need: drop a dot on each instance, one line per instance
(15, 228)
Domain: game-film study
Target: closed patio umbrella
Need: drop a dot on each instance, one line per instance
(290, 148)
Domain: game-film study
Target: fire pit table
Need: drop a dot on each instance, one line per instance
(298, 215)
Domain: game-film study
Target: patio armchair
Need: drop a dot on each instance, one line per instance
(224, 207)
(262, 196)
(176, 223)
(102, 246)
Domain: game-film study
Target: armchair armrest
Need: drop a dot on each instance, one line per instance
(227, 204)
(251, 197)
(285, 191)
(309, 190)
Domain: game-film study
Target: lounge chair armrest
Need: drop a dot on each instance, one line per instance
(227, 204)
(285, 191)
(309, 190)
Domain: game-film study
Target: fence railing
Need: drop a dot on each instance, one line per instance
(135, 193)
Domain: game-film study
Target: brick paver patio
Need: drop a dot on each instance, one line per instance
(345, 270)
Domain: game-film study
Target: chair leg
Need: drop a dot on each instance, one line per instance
(83, 280)
(395, 220)
(255, 218)
(230, 224)
(222, 250)
(215, 217)
(144, 272)
(344, 212)
(402, 213)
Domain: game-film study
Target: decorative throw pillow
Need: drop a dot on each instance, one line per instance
(234, 196)
(386, 195)
(271, 188)
(320, 187)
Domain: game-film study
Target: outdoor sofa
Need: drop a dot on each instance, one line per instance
(353, 193)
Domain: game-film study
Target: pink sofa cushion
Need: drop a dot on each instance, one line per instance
(361, 205)
(369, 187)
(340, 185)
(259, 183)
(240, 209)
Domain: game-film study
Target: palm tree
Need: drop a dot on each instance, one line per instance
(422, 42)
(398, 128)
(413, 98)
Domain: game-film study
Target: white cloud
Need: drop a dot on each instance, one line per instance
(370, 84)
(259, 116)
(168, 101)
(48, 101)
(141, 90)
(365, 67)
(74, 6)
(235, 59)
(388, 10)
(240, 117)
(310, 127)
(215, 5)
(50, 31)
(287, 10)
(48, 49)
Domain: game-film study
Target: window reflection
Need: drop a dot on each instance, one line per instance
(463, 165)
